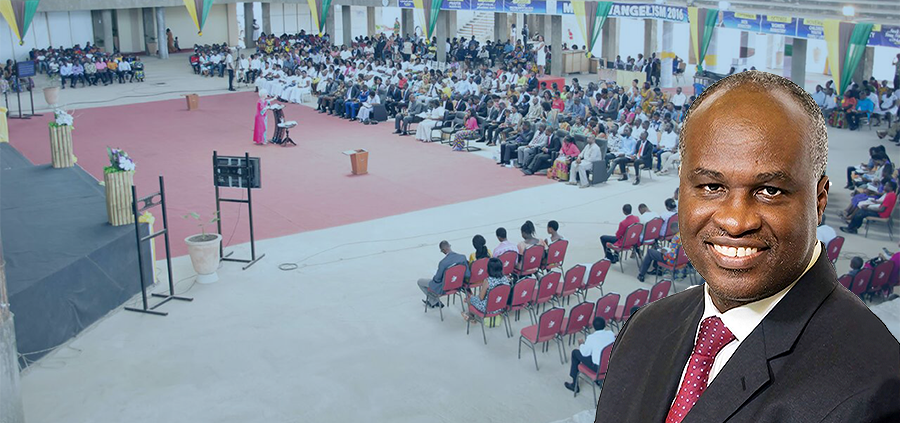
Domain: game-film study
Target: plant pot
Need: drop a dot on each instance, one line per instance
(151, 47)
(118, 197)
(204, 252)
(61, 153)
(51, 95)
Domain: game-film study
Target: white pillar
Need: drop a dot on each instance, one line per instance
(108, 42)
(161, 33)
(667, 55)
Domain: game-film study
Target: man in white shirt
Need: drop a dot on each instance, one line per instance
(645, 214)
(819, 97)
(590, 351)
(668, 150)
(678, 99)
(505, 244)
(584, 162)
(229, 66)
(825, 233)
(65, 71)
(671, 210)
(255, 68)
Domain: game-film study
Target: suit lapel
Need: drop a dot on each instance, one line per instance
(747, 372)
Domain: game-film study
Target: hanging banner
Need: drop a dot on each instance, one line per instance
(780, 25)
(199, 10)
(813, 29)
(525, 6)
(635, 11)
(886, 36)
(744, 21)
(18, 15)
(486, 5)
(455, 5)
(319, 11)
(702, 21)
(591, 16)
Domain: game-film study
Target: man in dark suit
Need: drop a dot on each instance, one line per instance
(392, 99)
(772, 336)
(408, 116)
(350, 95)
(435, 285)
(643, 156)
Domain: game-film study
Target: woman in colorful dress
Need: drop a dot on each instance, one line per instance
(260, 123)
(495, 278)
(567, 152)
(578, 127)
(471, 132)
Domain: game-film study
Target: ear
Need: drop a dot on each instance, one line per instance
(821, 197)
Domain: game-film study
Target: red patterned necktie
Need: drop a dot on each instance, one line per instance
(713, 336)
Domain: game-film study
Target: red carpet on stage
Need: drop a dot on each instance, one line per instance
(304, 188)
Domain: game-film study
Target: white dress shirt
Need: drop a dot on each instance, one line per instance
(741, 321)
(595, 343)
(678, 100)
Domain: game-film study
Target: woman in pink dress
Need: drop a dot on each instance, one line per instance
(260, 122)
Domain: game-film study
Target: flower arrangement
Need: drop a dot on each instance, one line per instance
(118, 161)
(61, 118)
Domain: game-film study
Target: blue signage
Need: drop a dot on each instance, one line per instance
(525, 6)
(781, 25)
(743, 21)
(486, 5)
(635, 11)
(813, 29)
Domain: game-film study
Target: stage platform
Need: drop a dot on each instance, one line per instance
(66, 266)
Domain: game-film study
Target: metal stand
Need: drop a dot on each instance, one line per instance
(245, 181)
(148, 202)
(31, 95)
(19, 100)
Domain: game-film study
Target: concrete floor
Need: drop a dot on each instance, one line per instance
(343, 337)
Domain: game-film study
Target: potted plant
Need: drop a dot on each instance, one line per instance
(118, 178)
(51, 92)
(61, 152)
(204, 249)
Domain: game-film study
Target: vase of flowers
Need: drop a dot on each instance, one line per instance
(118, 178)
(62, 154)
(204, 249)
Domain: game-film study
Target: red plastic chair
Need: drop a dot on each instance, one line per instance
(509, 261)
(584, 372)
(631, 241)
(681, 263)
(572, 282)
(660, 290)
(671, 227)
(453, 284)
(556, 255)
(478, 273)
(635, 299)
(652, 231)
(607, 307)
(546, 290)
(861, 281)
(548, 328)
(833, 249)
(880, 277)
(531, 261)
(522, 297)
(496, 303)
(846, 281)
(595, 278)
(578, 321)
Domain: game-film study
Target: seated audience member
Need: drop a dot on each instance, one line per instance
(643, 158)
(553, 230)
(481, 249)
(495, 278)
(619, 237)
(505, 244)
(671, 210)
(667, 255)
(568, 151)
(584, 162)
(470, 131)
(590, 351)
(526, 135)
(434, 287)
(408, 115)
(528, 238)
(645, 214)
(825, 233)
(882, 207)
(433, 118)
(526, 152)
(856, 264)
(542, 159)
(368, 106)
(668, 154)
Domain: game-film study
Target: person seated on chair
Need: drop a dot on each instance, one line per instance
(528, 238)
(495, 278)
(408, 115)
(643, 158)
(526, 152)
(667, 255)
(882, 208)
(434, 286)
(590, 351)
(668, 150)
(671, 210)
(825, 233)
(433, 118)
(481, 249)
(584, 162)
(351, 106)
(619, 237)
(621, 154)
(505, 244)
(542, 159)
(856, 264)
(526, 134)
(470, 131)
(365, 110)
(553, 230)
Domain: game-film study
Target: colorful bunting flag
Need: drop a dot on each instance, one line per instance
(430, 10)
(591, 16)
(702, 21)
(846, 43)
(319, 10)
(199, 10)
(18, 15)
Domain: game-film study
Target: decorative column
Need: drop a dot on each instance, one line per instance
(407, 23)
(610, 35)
(118, 197)
(249, 40)
(267, 18)
(795, 52)
(109, 44)
(329, 25)
(347, 25)
(650, 32)
(440, 33)
(501, 26)
(556, 61)
(370, 21)
(161, 33)
(62, 154)
(668, 55)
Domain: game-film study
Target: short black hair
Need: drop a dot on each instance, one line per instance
(553, 224)
(626, 209)
(501, 233)
(856, 262)
(599, 324)
(495, 268)
(670, 204)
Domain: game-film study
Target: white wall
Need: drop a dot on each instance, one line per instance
(290, 18)
(631, 37)
(57, 28)
(182, 25)
(131, 30)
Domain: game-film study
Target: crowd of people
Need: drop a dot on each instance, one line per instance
(88, 65)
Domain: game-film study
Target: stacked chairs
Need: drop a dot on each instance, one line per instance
(833, 249)
(635, 299)
(453, 284)
(547, 329)
(861, 281)
(573, 281)
(579, 320)
(631, 242)
(522, 298)
(556, 255)
(496, 305)
(584, 372)
(660, 290)
(595, 278)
